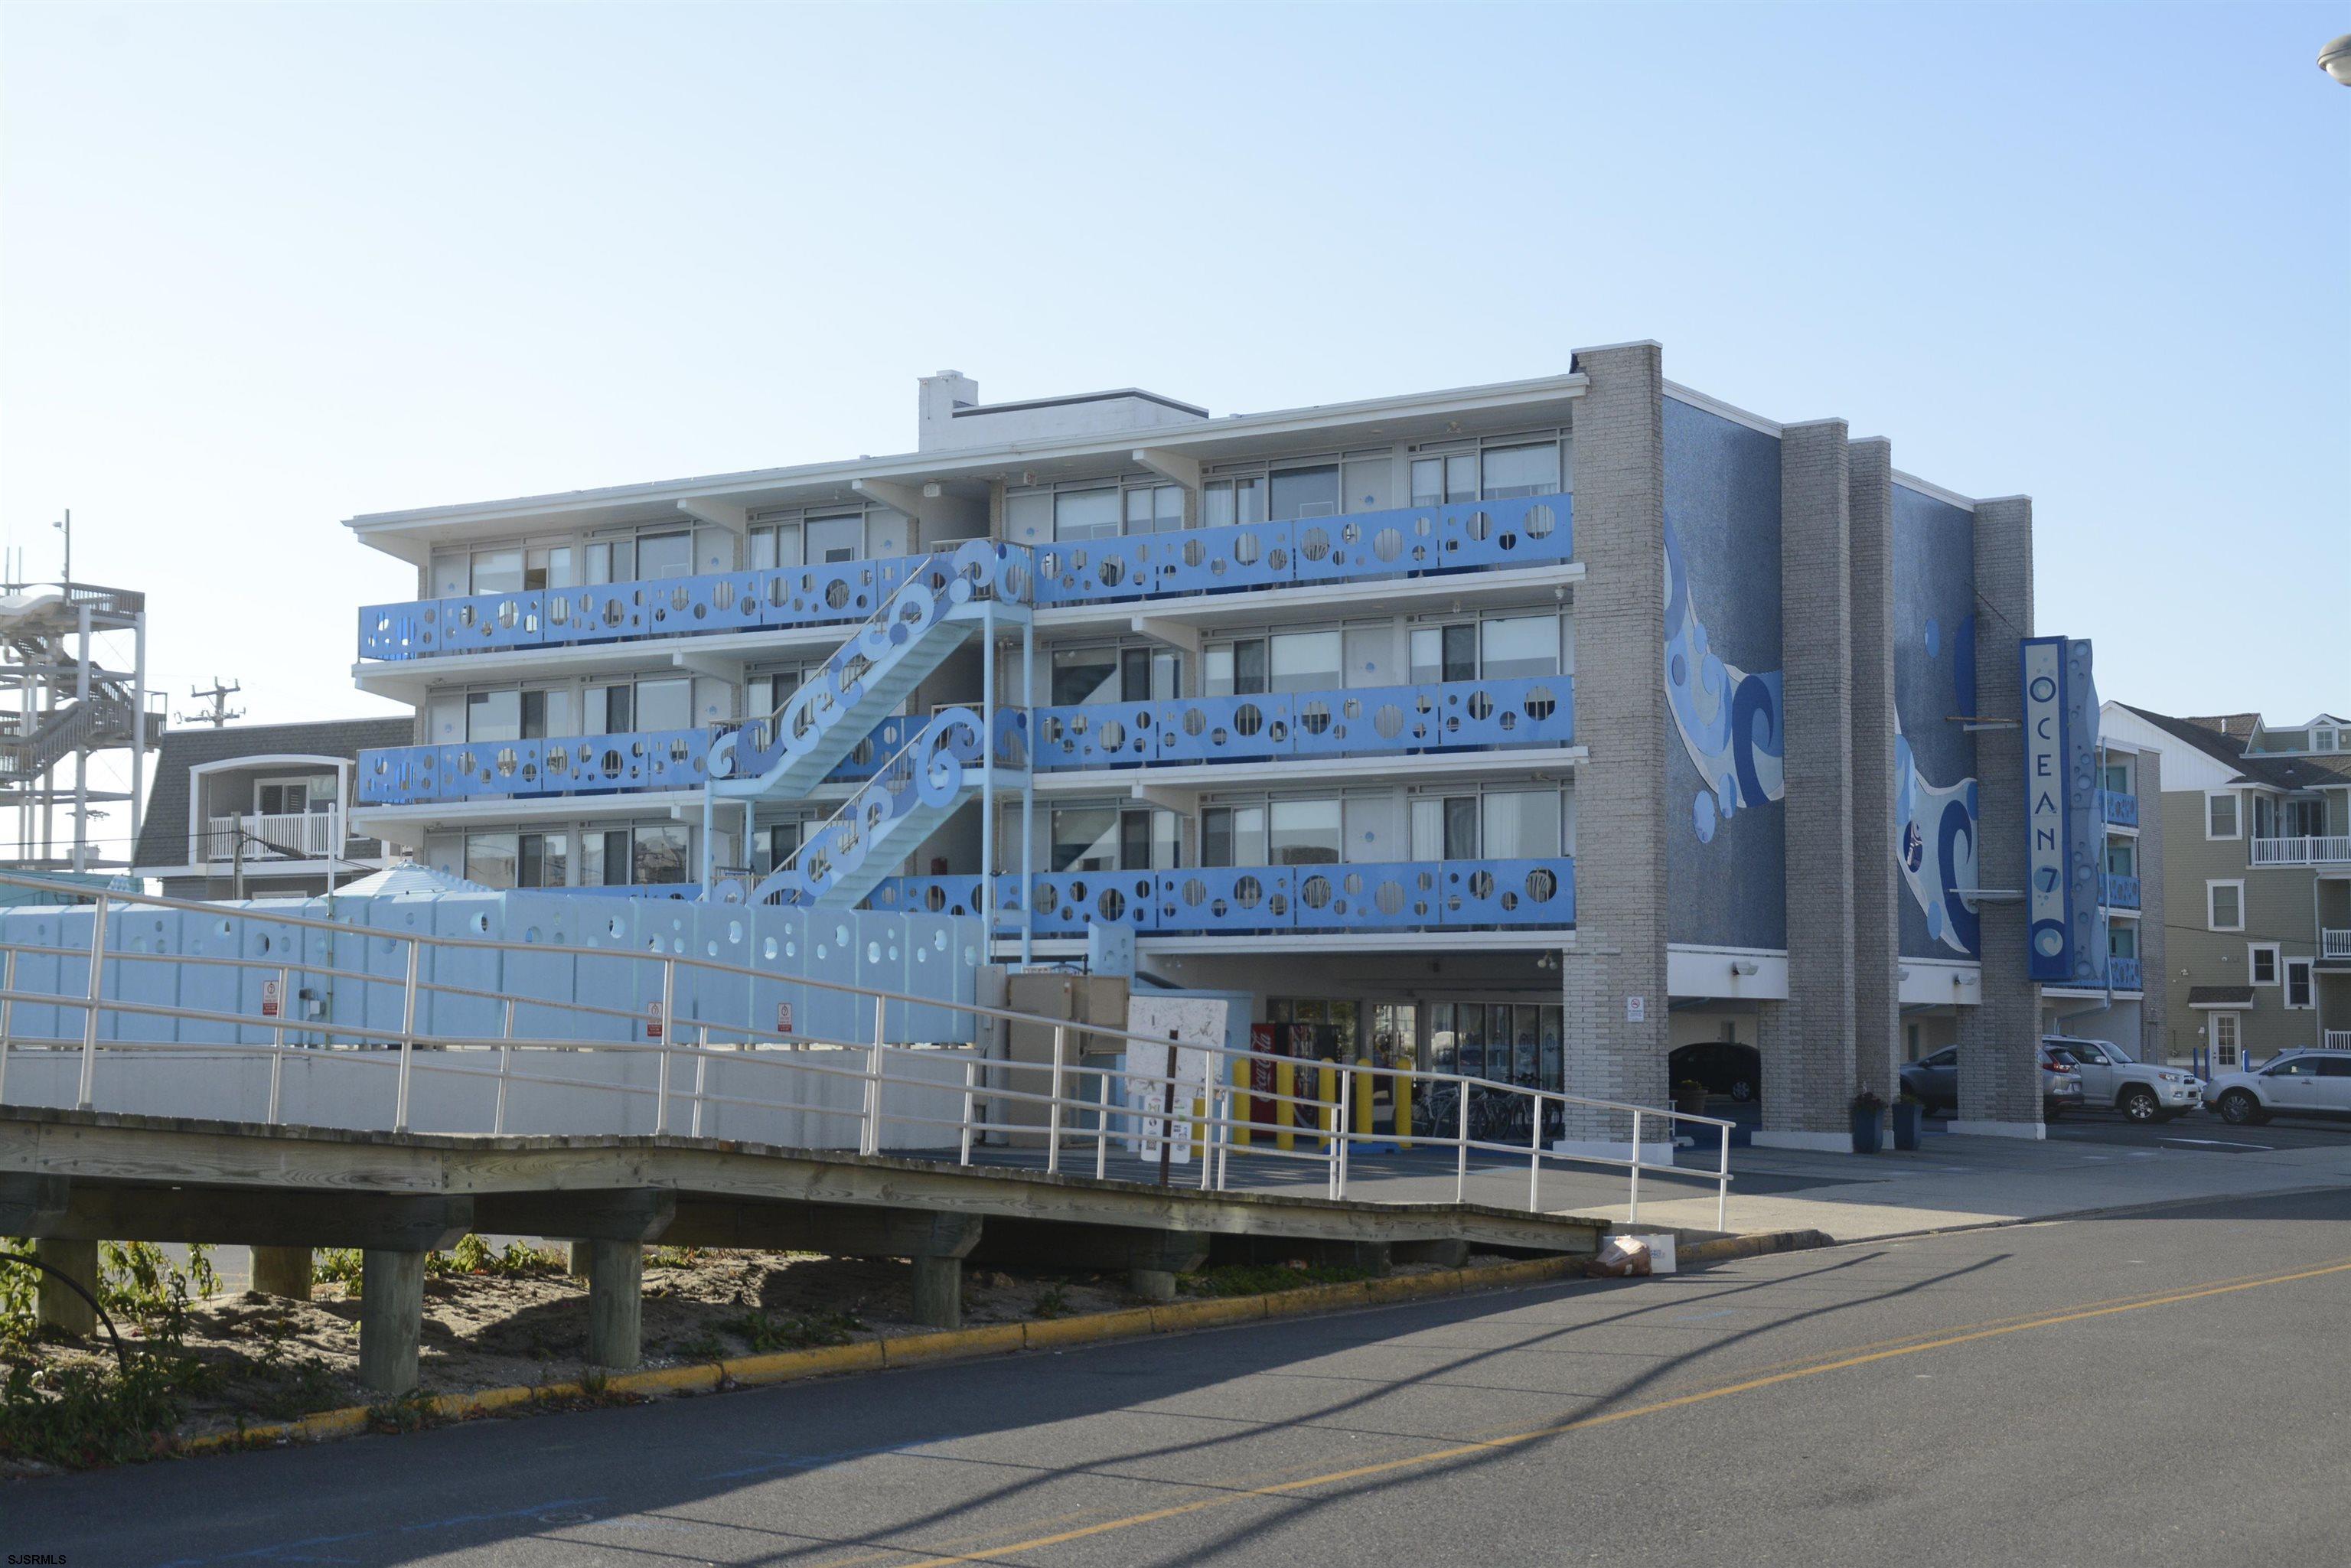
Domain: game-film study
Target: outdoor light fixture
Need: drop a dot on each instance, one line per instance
(2334, 59)
(1744, 966)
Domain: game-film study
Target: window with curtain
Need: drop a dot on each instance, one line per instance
(1306, 492)
(1154, 508)
(1306, 660)
(1519, 646)
(1529, 470)
(1520, 824)
(666, 554)
(1305, 832)
(1086, 514)
(664, 704)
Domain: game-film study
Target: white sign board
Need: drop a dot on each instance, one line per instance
(271, 999)
(783, 1018)
(1196, 1027)
(1637, 1009)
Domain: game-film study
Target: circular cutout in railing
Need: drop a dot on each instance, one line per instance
(1246, 549)
(1387, 545)
(1388, 722)
(1540, 704)
(1248, 719)
(1314, 543)
(1314, 717)
(1539, 521)
(1543, 884)
(1314, 892)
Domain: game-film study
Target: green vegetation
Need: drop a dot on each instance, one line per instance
(1260, 1278)
(107, 1412)
(762, 1332)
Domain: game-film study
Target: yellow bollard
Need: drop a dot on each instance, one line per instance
(1329, 1096)
(1199, 1128)
(1367, 1087)
(1244, 1109)
(1403, 1110)
(1285, 1114)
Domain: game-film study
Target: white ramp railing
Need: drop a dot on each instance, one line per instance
(867, 1087)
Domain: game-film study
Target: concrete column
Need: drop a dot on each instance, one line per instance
(1613, 980)
(392, 1319)
(616, 1304)
(580, 1262)
(283, 1271)
(2154, 1009)
(1807, 1094)
(1999, 1039)
(938, 1292)
(1877, 870)
(56, 1305)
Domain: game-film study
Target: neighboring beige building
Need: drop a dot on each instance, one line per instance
(2256, 905)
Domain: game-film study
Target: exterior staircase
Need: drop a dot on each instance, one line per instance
(943, 603)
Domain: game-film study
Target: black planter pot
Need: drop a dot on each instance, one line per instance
(1908, 1116)
(1869, 1123)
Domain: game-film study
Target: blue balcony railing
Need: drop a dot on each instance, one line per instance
(2120, 892)
(1401, 895)
(657, 607)
(2122, 973)
(2118, 808)
(479, 771)
(1526, 531)
(1433, 717)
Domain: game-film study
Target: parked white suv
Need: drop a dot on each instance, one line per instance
(2138, 1090)
(2298, 1083)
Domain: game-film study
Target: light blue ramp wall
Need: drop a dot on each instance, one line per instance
(156, 959)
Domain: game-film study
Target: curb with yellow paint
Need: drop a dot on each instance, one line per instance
(993, 1339)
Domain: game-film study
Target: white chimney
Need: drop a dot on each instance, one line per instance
(942, 395)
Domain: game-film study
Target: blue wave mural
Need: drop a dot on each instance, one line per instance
(1729, 718)
(1729, 721)
(1934, 840)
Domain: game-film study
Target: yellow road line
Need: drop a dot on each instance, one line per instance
(1585, 1423)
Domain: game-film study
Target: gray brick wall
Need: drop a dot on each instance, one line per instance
(1876, 878)
(1810, 1091)
(1621, 717)
(2000, 1047)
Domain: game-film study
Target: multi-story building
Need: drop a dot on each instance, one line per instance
(260, 811)
(1537, 728)
(2257, 886)
(2129, 927)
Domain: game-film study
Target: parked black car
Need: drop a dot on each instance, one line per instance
(1724, 1068)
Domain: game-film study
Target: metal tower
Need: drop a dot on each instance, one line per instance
(65, 697)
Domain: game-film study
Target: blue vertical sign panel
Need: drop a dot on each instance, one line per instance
(2060, 813)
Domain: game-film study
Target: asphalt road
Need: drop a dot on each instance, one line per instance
(2200, 1130)
(2151, 1388)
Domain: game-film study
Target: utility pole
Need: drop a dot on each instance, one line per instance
(219, 713)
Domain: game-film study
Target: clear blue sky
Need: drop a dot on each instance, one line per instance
(266, 266)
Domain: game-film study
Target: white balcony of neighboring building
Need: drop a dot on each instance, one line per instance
(2333, 849)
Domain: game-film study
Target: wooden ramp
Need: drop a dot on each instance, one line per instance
(73, 1178)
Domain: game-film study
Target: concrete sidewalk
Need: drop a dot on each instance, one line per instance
(1953, 1181)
